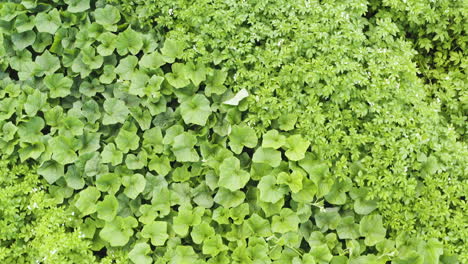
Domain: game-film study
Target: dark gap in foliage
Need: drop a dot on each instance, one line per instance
(249, 151)
(327, 204)
(166, 68)
(101, 253)
(13, 74)
(175, 207)
(173, 103)
(304, 245)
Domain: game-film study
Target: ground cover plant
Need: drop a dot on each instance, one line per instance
(255, 132)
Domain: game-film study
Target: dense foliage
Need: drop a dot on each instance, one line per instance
(233, 131)
(33, 229)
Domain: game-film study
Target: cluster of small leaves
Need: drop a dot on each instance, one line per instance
(32, 228)
(348, 77)
(144, 137)
(438, 32)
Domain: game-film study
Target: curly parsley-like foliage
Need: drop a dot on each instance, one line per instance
(34, 229)
(232, 131)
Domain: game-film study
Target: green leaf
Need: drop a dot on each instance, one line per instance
(183, 148)
(297, 147)
(367, 259)
(48, 22)
(90, 59)
(273, 139)
(64, 149)
(23, 63)
(8, 131)
(213, 245)
(90, 89)
(126, 67)
(139, 254)
(74, 178)
(8, 107)
(71, 126)
(184, 255)
(241, 136)
(90, 110)
(432, 250)
(51, 171)
(229, 199)
(307, 192)
(59, 86)
(127, 140)
(172, 49)
(185, 218)
(152, 61)
(287, 221)
(293, 180)
(46, 64)
(267, 156)
(161, 165)
(156, 231)
(43, 40)
(327, 219)
(108, 75)
(35, 102)
(287, 121)
(215, 85)
(196, 110)
(152, 138)
(89, 142)
(129, 41)
(201, 232)
(87, 199)
(259, 226)
(232, 177)
(23, 40)
(111, 155)
(107, 209)
(138, 81)
(115, 111)
(372, 229)
(269, 191)
(109, 182)
(31, 150)
(337, 194)
(30, 131)
(107, 46)
(143, 117)
(347, 228)
(134, 185)
(178, 77)
(24, 23)
(107, 16)
(318, 172)
(78, 66)
(76, 6)
(93, 164)
(181, 174)
(136, 162)
(196, 73)
(321, 254)
(362, 205)
(119, 231)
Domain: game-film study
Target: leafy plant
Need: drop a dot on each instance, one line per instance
(222, 132)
